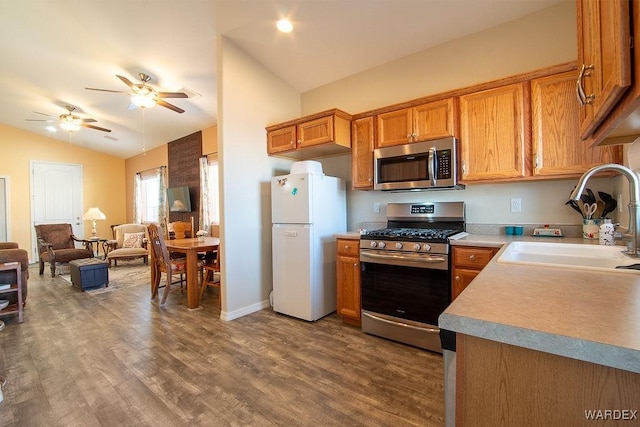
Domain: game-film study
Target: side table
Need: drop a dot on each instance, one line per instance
(98, 241)
(13, 288)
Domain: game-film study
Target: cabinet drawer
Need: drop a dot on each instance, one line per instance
(348, 247)
(472, 256)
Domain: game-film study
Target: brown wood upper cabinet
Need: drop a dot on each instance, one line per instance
(432, 120)
(362, 141)
(494, 133)
(557, 147)
(319, 135)
(528, 130)
(604, 59)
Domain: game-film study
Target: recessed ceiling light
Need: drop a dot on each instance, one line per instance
(284, 25)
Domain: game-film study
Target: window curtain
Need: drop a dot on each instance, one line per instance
(137, 199)
(162, 194)
(204, 212)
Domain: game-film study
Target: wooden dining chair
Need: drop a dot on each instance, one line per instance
(211, 276)
(163, 264)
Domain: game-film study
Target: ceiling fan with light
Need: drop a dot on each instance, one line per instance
(70, 122)
(144, 96)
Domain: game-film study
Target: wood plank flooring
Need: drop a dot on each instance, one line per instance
(117, 359)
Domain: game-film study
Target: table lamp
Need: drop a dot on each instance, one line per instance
(93, 214)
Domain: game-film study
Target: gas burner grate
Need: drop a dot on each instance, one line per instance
(411, 233)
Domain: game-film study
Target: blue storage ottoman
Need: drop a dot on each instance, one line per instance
(89, 273)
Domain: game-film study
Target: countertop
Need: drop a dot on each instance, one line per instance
(585, 315)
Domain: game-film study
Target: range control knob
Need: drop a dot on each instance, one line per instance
(416, 246)
(381, 245)
(373, 244)
(427, 247)
(398, 245)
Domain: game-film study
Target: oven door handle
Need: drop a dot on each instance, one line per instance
(404, 325)
(431, 259)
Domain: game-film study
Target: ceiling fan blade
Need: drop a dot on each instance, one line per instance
(169, 106)
(107, 90)
(127, 82)
(95, 127)
(172, 95)
(89, 120)
(38, 120)
(42, 114)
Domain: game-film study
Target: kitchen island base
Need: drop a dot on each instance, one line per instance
(502, 384)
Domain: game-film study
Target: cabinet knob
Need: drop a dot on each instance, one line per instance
(457, 278)
(355, 264)
(472, 257)
(292, 142)
(347, 247)
(299, 141)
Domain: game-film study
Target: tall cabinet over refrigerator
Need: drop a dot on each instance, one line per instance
(307, 209)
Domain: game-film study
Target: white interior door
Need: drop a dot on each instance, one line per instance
(56, 196)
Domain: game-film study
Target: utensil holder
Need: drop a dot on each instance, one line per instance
(591, 228)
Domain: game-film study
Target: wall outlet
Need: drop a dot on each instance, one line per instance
(376, 207)
(516, 205)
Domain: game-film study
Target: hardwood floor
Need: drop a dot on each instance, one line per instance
(116, 359)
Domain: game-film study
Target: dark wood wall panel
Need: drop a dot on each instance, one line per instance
(183, 170)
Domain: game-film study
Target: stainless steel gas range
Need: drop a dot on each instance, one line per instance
(405, 277)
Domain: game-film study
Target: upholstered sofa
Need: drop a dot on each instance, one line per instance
(9, 252)
(57, 244)
(129, 242)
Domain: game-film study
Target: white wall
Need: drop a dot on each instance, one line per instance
(541, 39)
(249, 98)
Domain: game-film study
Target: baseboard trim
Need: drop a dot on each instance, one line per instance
(235, 314)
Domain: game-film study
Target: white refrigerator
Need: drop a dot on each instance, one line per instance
(306, 211)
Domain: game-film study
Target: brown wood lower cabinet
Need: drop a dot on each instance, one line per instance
(504, 385)
(468, 261)
(348, 280)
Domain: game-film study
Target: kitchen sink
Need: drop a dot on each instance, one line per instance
(568, 255)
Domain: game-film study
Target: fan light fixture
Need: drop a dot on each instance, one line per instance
(70, 123)
(143, 100)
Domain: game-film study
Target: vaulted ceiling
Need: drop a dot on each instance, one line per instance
(51, 50)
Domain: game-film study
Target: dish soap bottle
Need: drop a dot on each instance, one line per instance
(606, 233)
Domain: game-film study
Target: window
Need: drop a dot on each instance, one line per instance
(214, 207)
(149, 189)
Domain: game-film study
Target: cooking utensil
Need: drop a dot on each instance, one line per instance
(592, 197)
(589, 210)
(575, 206)
(610, 204)
(599, 210)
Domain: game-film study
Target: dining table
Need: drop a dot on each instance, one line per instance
(191, 248)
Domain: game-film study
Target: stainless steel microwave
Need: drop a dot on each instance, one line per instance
(417, 166)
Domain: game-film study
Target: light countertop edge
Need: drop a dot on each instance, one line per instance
(589, 316)
(602, 354)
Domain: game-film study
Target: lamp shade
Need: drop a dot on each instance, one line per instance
(93, 214)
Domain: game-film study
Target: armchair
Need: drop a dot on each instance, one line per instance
(9, 252)
(129, 242)
(56, 244)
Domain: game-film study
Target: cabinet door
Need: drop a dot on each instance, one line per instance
(281, 140)
(461, 279)
(494, 134)
(434, 120)
(362, 153)
(604, 52)
(395, 128)
(348, 287)
(314, 132)
(557, 147)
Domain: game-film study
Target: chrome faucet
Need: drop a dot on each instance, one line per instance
(631, 235)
